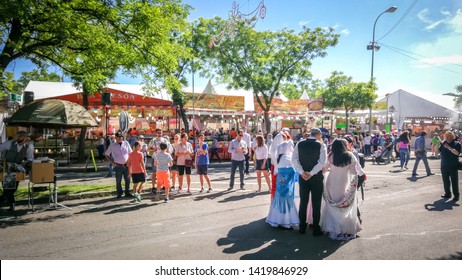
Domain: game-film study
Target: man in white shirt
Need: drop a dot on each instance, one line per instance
(237, 149)
(248, 140)
(367, 145)
(309, 158)
(117, 153)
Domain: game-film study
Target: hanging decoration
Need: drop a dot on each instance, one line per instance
(235, 17)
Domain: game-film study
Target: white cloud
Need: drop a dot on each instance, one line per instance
(432, 24)
(456, 22)
(303, 22)
(453, 59)
(345, 32)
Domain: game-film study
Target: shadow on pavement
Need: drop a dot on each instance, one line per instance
(267, 243)
(241, 196)
(441, 205)
(415, 178)
(456, 256)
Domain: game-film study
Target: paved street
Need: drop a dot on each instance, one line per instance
(402, 219)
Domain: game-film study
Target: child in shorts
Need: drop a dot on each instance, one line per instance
(163, 161)
(137, 170)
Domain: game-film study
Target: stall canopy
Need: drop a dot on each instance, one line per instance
(52, 113)
(121, 94)
(407, 105)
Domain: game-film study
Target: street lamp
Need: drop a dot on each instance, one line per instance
(374, 47)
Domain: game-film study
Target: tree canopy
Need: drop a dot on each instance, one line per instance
(263, 61)
(457, 97)
(91, 39)
(341, 93)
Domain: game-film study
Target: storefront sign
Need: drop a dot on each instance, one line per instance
(278, 107)
(216, 102)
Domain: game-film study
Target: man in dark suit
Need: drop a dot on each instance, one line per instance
(309, 158)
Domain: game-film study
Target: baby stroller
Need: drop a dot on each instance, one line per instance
(380, 157)
(383, 157)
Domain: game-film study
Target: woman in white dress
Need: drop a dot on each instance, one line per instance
(339, 217)
(282, 212)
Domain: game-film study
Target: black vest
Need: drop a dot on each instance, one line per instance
(309, 151)
(15, 156)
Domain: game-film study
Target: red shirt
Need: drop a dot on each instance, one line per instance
(135, 162)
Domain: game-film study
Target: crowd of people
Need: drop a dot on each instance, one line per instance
(328, 170)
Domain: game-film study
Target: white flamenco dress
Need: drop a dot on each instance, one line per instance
(339, 213)
(282, 212)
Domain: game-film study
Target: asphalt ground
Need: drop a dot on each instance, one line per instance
(404, 218)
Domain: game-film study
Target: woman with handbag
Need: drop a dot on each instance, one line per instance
(184, 154)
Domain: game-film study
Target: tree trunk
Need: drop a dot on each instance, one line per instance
(83, 132)
(332, 123)
(347, 121)
(267, 122)
(182, 113)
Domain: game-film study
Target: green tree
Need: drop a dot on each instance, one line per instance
(264, 61)
(90, 40)
(457, 97)
(7, 84)
(342, 93)
(37, 75)
(86, 37)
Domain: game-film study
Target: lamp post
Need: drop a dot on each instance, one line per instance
(374, 47)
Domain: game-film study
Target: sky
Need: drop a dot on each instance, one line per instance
(420, 43)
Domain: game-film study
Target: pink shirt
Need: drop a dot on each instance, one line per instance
(403, 145)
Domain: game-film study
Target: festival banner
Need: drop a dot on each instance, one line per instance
(291, 107)
(217, 102)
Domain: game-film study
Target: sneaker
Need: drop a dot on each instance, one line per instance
(172, 188)
(202, 190)
(134, 200)
(189, 190)
(180, 190)
(230, 188)
(209, 190)
(138, 197)
(154, 190)
(166, 200)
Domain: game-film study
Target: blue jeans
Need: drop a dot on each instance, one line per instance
(403, 157)
(234, 165)
(421, 155)
(122, 171)
(110, 170)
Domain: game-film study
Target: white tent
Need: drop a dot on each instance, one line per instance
(408, 105)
